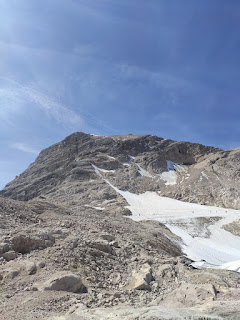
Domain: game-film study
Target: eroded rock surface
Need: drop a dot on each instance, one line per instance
(181, 170)
(69, 249)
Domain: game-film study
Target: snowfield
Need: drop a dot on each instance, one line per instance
(199, 227)
(215, 248)
(219, 248)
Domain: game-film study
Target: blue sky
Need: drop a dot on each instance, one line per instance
(168, 68)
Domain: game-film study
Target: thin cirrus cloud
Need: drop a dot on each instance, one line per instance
(25, 148)
(158, 79)
(21, 93)
(16, 95)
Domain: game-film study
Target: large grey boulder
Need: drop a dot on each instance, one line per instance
(63, 281)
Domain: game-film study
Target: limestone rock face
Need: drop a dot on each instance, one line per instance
(63, 281)
(181, 170)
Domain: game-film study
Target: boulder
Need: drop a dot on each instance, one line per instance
(63, 281)
(102, 245)
(165, 271)
(141, 279)
(10, 270)
(4, 247)
(10, 255)
(41, 264)
(30, 267)
(25, 243)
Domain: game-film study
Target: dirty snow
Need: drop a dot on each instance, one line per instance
(96, 208)
(233, 265)
(111, 158)
(126, 164)
(220, 248)
(98, 170)
(171, 165)
(205, 175)
(143, 172)
(217, 247)
(170, 177)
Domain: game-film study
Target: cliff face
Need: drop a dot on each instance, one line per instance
(181, 170)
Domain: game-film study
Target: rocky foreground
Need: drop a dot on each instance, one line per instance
(70, 250)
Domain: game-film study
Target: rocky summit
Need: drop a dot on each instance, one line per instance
(122, 227)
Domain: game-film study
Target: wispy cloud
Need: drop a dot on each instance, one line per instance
(45, 103)
(79, 50)
(25, 148)
(159, 79)
(17, 94)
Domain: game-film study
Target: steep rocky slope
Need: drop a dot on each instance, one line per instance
(70, 250)
(181, 170)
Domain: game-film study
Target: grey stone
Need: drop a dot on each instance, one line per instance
(30, 267)
(63, 281)
(10, 255)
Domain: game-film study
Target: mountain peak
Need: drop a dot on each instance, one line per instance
(126, 157)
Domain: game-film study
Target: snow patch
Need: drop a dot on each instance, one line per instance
(92, 207)
(99, 208)
(232, 266)
(98, 170)
(126, 164)
(169, 177)
(219, 248)
(143, 172)
(111, 158)
(204, 175)
(104, 170)
(151, 206)
(171, 165)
